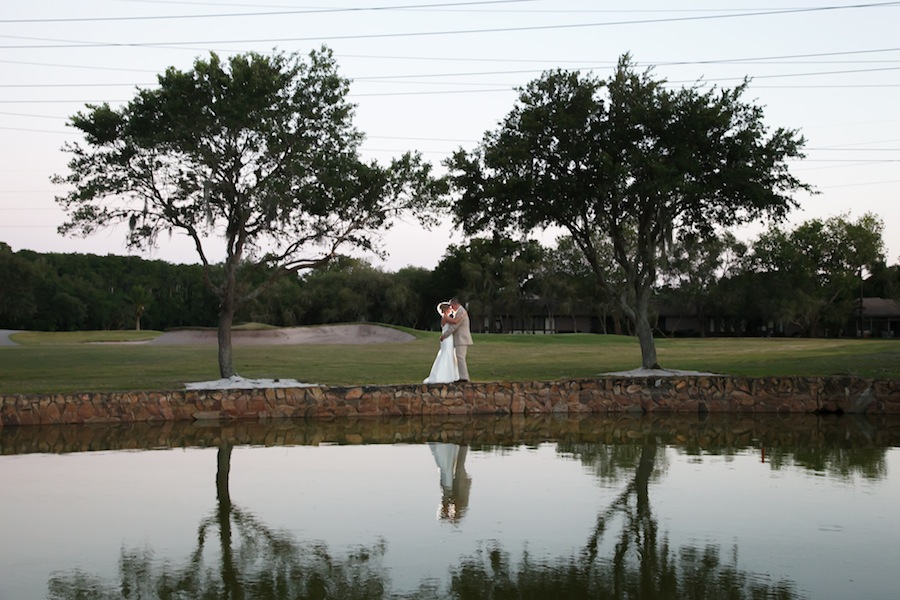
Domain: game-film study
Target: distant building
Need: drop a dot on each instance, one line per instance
(879, 317)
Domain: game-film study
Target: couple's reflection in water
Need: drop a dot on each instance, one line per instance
(455, 481)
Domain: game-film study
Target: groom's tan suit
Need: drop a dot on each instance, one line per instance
(462, 339)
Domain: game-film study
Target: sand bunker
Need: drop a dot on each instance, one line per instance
(318, 334)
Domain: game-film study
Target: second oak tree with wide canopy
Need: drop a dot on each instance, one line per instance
(628, 162)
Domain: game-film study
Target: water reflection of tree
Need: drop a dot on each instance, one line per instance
(838, 463)
(610, 462)
(624, 556)
(636, 564)
(253, 562)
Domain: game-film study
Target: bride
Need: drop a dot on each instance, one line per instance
(444, 369)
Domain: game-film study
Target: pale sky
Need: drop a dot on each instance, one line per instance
(434, 76)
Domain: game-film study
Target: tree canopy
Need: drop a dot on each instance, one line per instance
(816, 270)
(630, 161)
(254, 158)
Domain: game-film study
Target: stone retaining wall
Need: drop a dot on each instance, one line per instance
(694, 394)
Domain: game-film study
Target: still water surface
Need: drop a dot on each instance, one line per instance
(765, 507)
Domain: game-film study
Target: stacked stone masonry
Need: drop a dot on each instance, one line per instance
(694, 394)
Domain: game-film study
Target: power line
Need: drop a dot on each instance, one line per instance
(859, 184)
(826, 86)
(304, 11)
(12, 114)
(393, 78)
(65, 85)
(444, 5)
(57, 132)
(854, 57)
(502, 88)
(93, 67)
(854, 149)
(761, 60)
(456, 31)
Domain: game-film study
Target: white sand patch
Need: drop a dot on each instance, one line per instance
(240, 383)
(642, 372)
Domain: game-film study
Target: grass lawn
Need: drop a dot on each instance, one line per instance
(71, 362)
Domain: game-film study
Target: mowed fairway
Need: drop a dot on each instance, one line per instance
(102, 361)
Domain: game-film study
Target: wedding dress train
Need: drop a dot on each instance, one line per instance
(444, 369)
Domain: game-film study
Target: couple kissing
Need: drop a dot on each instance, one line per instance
(456, 337)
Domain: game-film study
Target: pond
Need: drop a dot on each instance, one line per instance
(522, 507)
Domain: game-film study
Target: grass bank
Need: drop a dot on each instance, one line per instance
(80, 361)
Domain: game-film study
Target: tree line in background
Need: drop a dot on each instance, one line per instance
(810, 277)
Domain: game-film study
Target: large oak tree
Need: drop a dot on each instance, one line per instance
(254, 158)
(629, 160)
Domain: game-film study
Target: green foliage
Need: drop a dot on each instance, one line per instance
(352, 290)
(495, 278)
(695, 267)
(567, 283)
(68, 292)
(259, 151)
(815, 272)
(18, 297)
(513, 281)
(884, 282)
(630, 160)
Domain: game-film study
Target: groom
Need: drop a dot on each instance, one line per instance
(462, 336)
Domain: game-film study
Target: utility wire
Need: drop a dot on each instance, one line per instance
(71, 44)
(384, 78)
(308, 11)
(304, 11)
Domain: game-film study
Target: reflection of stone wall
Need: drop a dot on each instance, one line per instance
(697, 394)
(713, 433)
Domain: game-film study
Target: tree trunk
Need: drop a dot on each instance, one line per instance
(226, 360)
(642, 476)
(701, 316)
(230, 579)
(223, 472)
(227, 304)
(645, 335)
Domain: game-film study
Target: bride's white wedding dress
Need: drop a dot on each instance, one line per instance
(444, 369)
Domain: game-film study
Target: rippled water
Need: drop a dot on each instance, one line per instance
(800, 507)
